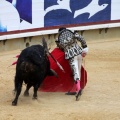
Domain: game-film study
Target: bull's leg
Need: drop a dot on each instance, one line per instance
(18, 91)
(26, 93)
(37, 85)
(35, 91)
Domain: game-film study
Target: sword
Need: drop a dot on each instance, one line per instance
(56, 62)
(47, 51)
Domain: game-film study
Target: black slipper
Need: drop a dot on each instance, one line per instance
(70, 93)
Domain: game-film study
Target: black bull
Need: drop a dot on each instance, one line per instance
(32, 67)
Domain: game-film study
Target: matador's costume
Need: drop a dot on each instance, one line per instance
(67, 41)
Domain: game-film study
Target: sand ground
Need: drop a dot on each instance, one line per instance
(100, 99)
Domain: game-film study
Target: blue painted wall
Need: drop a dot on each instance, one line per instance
(30, 14)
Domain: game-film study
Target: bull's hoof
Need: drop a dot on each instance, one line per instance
(26, 94)
(14, 103)
(34, 98)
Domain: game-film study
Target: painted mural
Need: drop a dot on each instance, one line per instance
(30, 14)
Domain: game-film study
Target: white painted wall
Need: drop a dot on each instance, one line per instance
(10, 17)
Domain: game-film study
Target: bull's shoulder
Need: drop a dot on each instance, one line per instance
(35, 47)
(32, 48)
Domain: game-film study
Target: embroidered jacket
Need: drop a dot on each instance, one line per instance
(68, 42)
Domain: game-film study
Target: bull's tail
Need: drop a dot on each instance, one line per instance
(52, 73)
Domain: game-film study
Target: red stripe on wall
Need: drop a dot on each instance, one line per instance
(56, 27)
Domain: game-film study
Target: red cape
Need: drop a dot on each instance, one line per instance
(65, 81)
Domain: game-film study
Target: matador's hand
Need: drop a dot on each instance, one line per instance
(83, 54)
(76, 35)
